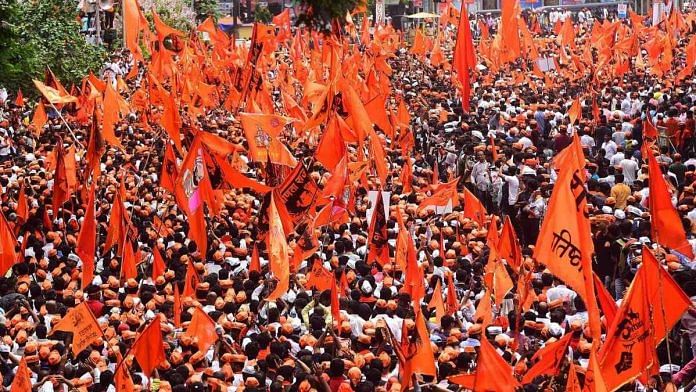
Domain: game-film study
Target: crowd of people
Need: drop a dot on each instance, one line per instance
(413, 297)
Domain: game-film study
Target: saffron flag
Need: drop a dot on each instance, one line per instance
(377, 236)
(649, 130)
(19, 101)
(473, 208)
(148, 348)
(122, 379)
(81, 323)
(508, 245)
(335, 302)
(262, 131)
(170, 170)
(606, 301)
(575, 111)
(255, 264)
(666, 225)
(40, 119)
(158, 265)
(565, 245)
(202, 327)
(548, 360)
(61, 189)
(87, 241)
(420, 359)
(191, 280)
(53, 95)
(464, 56)
(319, 277)
(22, 378)
(278, 252)
(452, 302)
(22, 210)
(492, 372)
(437, 302)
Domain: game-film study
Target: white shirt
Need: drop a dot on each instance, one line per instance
(630, 169)
(616, 158)
(513, 188)
(610, 148)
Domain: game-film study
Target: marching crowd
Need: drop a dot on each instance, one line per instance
(348, 322)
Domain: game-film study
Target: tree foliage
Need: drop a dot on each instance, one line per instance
(321, 15)
(262, 14)
(36, 34)
(175, 13)
(205, 8)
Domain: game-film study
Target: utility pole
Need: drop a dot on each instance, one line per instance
(97, 17)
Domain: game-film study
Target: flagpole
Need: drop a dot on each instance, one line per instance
(66, 124)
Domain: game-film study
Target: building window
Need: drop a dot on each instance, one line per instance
(489, 4)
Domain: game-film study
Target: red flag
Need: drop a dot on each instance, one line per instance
(203, 328)
(158, 265)
(667, 228)
(255, 264)
(464, 56)
(177, 306)
(148, 349)
(87, 241)
(128, 261)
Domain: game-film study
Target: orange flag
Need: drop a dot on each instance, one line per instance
(319, 277)
(593, 376)
(565, 245)
(22, 205)
(649, 130)
(236, 179)
(335, 302)
(19, 101)
(148, 349)
(177, 306)
(113, 105)
(87, 241)
(84, 327)
(575, 111)
(255, 264)
(278, 252)
(96, 147)
(53, 95)
(508, 245)
(502, 283)
(262, 131)
(22, 379)
(158, 265)
(473, 208)
(464, 59)
(377, 237)
(170, 170)
(484, 309)
(437, 302)
(131, 24)
(452, 301)
(443, 195)
(606, 301)
(122, 379)
(573, 384)
(509, 30)
(61, 188)
(40, 118)
(667, 228)
(128, 262)
(422, 361)
(377, 111)
(492, 372)
(203, 328)
(171, 120)
(190, 281)
(548, 360)
(418, 47)
(332, 146)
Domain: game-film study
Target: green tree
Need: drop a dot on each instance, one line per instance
(205, 8)
(262, 14)
(324, 15)
(36, 34)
